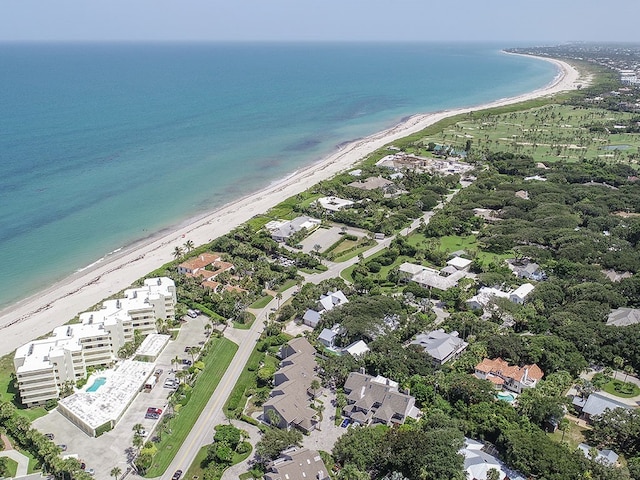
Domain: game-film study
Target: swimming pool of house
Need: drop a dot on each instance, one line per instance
(507, 397)
(97, 383)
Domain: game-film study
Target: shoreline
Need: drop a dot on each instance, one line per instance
(38, 314)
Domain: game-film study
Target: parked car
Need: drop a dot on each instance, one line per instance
(91, 472)
(170, 383)
(154, 410)
(186, 361)
(62, 447)
(50, 436)
(186, 349)
(177, 475)
(159, 372)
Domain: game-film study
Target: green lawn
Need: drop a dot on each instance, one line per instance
(196, 470)
(287, 285)
(247, 325)
(261, 302)
(574, 435)
(353, 253)
(12, 467)
(221, 352)
(622, 389)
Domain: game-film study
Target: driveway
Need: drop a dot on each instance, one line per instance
(325, 436)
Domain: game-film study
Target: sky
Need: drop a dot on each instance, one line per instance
(528, 21)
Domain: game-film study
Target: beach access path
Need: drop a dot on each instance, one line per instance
(41, 313)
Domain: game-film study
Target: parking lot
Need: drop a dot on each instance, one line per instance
(114, 448)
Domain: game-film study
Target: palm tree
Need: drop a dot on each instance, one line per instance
(315, 386)
(279, 297)
(628, 370)
(178, 252)
(618, 362)
(137, 428)
(115, 472)
(188, 245)
(563, 426)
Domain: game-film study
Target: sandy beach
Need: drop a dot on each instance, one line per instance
(39, 314)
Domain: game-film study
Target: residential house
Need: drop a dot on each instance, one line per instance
(510, 377)
(372, 400)
(356, 349)
(373, 183)
(487, 214)
(605, 457)
(288, 406)
(196, 264)
(527, 270)
(596, 404)
(282, 230)
(326, 303)
(334, 204)
(477, 462)
(622, 317)
(440, 346)
(297, 464)
(484, 296)
(430, 278)
(520, 294)
(459, 263)
(328, 336)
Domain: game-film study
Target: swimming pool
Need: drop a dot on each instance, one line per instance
(507, 397)
(97, 383)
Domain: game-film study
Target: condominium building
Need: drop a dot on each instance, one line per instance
(44, 366)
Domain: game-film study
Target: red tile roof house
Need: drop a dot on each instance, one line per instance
(510, 377)
(197, 267)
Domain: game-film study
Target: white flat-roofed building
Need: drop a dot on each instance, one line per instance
(151, 347)
(520, 294)
(333, 204)
(44, 366)
(99, 407)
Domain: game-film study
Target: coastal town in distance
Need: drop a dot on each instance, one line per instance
(460, 302)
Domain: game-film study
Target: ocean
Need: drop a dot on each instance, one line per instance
(102, 145)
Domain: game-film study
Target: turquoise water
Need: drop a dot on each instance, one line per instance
(507, 397)
(98, 382)
(103, 145)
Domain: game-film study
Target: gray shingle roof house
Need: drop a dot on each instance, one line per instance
(325, 303)
(297, 464)
(621, 317)
(606, 457)
(377, 400)
(441, 346)
(292, 382)
(597, 403)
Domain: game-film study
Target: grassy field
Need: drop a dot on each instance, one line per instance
(221, 353)
(574, 435)
(547, 133)
(261, 302)
(12, 468)
(613, 388)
